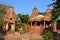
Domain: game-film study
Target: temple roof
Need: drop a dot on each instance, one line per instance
(39, 18)
(36, 17)
(48, 12)
(10, 14)
(34, 12)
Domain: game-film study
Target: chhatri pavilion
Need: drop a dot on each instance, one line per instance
(38, 22)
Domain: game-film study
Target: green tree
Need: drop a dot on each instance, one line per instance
(47, 36)
(22, 21)
(42, 13)
(23, 18)
(56, 11)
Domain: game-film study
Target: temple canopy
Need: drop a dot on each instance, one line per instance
(37, 18)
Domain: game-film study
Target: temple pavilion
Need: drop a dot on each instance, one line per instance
(10, 20)
(38, 22)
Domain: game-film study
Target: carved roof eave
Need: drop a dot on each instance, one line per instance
(39, 19)
(31, 20)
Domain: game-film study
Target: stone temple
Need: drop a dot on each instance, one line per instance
(38, 22)
(10, 20)
(10, 31)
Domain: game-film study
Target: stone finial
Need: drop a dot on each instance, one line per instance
(34, 12)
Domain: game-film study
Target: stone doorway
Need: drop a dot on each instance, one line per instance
(9, 26)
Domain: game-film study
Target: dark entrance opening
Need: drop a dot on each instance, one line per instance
(9, 26)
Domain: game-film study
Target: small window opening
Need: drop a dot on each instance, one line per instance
(10, 18)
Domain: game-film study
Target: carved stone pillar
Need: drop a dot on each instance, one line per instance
(31, 23)
(4, 27)
(35, 27)
(44, 24)
(7, 27)
(55, 29)
(31, 29)
(12, 27)
(35, 23)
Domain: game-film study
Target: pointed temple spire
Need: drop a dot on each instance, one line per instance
(34, 12)
(48, 12)
(10, 11)
(10, 14)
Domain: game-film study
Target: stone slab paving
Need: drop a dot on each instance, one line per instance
(20, 37)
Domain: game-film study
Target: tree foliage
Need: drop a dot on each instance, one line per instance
(47, 36)
(56, 11)
(22, 20)
(41, 13)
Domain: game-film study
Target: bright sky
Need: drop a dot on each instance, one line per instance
(26, 6)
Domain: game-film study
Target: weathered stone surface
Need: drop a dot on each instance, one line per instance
(34, 12)
(37, 23)
(10, 20)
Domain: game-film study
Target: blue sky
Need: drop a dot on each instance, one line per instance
(26, 6)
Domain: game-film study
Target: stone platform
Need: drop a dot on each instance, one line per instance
(12, 37)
